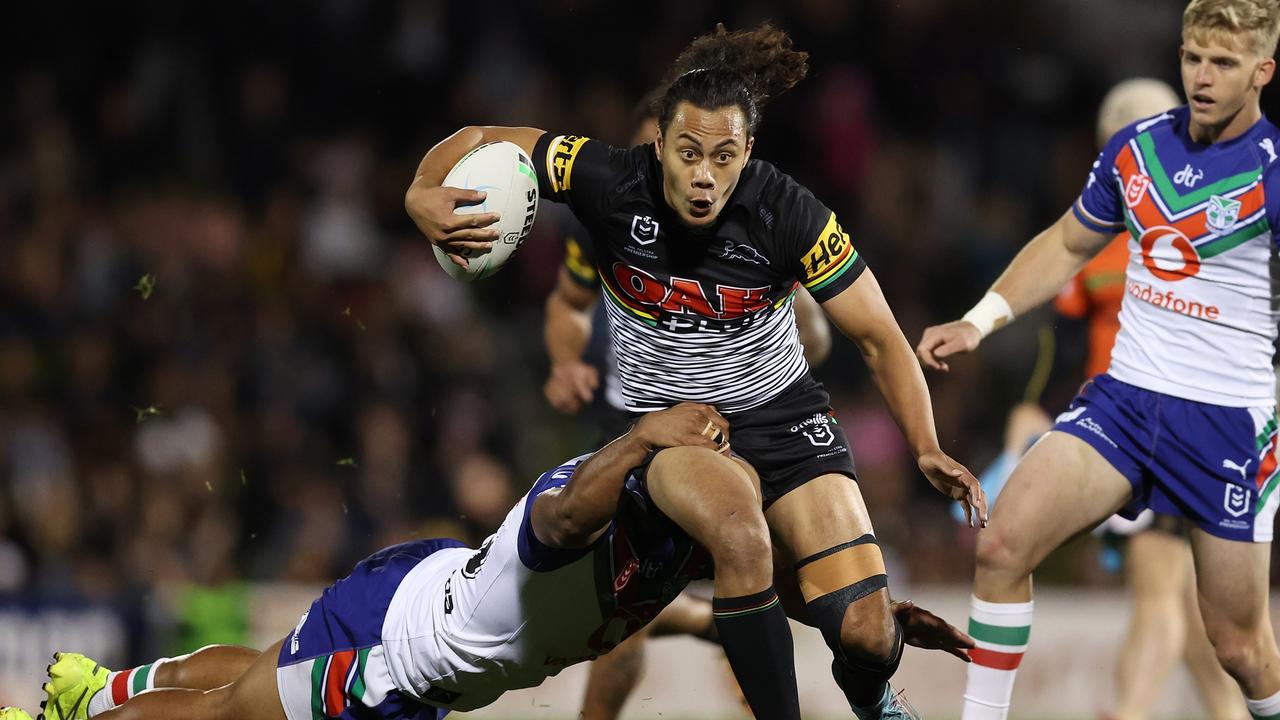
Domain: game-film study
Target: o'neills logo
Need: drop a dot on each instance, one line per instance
(1169, 300)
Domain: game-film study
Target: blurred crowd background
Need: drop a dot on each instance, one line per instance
(226, 354)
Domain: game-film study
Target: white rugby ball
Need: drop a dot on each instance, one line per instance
(506, 175)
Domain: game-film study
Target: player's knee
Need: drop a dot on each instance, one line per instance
(740, 544)
(996, 553)
(868, 635)
(1237, 649)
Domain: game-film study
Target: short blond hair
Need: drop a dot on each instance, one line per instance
(1258, 21)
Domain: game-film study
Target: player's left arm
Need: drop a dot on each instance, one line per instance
(575, 515)
(861, 312)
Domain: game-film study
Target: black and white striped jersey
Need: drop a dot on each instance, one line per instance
(706, 316)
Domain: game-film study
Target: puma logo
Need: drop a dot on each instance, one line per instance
(1242, 469)
(1269, 146)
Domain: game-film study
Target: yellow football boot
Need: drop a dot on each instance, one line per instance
(73, 680)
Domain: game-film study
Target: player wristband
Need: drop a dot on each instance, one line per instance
(991, 312)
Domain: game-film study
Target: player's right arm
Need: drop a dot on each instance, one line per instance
(575, 515)
(432, 206)
(1034, 277)
(1045, 264)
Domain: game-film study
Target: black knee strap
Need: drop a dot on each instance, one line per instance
(826, 611)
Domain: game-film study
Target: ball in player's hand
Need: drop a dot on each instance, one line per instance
(505, 174)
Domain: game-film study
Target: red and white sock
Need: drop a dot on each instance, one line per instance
(1000, 632)
(124, 684)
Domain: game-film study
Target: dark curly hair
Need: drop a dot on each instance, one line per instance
(746, 68)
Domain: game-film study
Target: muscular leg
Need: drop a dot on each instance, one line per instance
(686, 615)
(717, 501)
(1059, 488)
(614, 676)
(1218, 692)
(1232, 578)
(252, 696)
(207, 668)
(815, 518)
(1158, 566)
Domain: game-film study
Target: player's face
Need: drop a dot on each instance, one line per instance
(702, 155)
(1223, 79)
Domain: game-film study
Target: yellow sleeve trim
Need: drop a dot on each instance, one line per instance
(561, 153)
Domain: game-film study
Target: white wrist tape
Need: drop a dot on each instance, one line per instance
(991, 312)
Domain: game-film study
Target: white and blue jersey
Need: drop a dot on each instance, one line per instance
(438, 626)
(1198, 320)
(1186, 410)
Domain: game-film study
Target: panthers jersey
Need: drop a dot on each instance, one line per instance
(466, 625)
(701, 316)
(1198, 319)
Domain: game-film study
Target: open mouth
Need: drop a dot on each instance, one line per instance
(700, 207)
(1201, 102)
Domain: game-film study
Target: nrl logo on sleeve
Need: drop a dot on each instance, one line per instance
(1222, 213)
(644, 229)
(1135, 189)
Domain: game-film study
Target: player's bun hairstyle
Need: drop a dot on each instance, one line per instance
(746, 68)
(1257, 20)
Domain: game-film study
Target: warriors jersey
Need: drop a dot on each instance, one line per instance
(1198, 318)
(466, 625)
(700, 316)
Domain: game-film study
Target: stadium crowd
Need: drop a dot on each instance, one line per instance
(226, 354)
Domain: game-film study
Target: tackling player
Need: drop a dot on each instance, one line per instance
(588, 556)
(701, 250)
(1183, 421)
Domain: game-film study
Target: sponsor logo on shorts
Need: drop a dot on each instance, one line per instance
(1070, 415)
(816, 429)
(1089, 424)
(1236, 500)
(293, 641)
(1229, 464)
